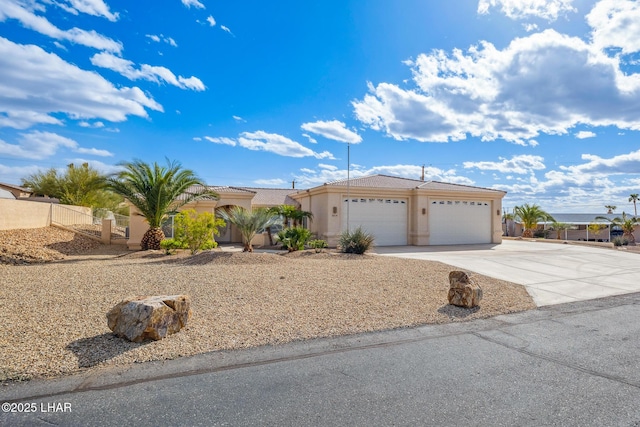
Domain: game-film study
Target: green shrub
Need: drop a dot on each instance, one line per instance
(170, 245)
(356, 242)
(294, 238)
(620, 241)
(195, 231)
(318, 245)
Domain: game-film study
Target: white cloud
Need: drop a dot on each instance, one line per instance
(522, 164)
(583, 134)
(13, 174)
(224, 28)
(514, 94)
(40, 145)
(95, 125)
(333, 129)
(103, 168)
(28, 19)
(221, 140)
(271, 182)
(146, 72)
(94, 152)
(211, 21)
(35, 84)
(194, 3)
(598, 180)
(278, 144)
(525, 9)
(616, 24)
(90, 7)
(310, 138)
(197, 138)
(239, 119)
(161, 38)
(530, 27)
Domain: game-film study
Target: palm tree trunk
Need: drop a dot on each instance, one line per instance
(152, 238)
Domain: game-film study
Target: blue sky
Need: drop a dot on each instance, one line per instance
(537, 98)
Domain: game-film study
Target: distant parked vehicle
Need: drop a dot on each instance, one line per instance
(616, 231)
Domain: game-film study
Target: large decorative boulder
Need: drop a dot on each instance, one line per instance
(463, 290)
(151, 317)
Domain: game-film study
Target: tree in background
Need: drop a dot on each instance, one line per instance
(626, 223)
(595, 228)
(530, 215)
(157, 192)
(249, 222)
(77, 185)
(634, 198)
(559, 227)
(610, 208)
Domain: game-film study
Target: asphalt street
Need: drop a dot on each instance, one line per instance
(573, 364)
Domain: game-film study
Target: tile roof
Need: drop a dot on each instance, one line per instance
(15, 187)
(272, 196)
(387, 181)
(217, 189)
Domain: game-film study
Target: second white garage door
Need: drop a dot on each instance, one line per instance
(385, 218)
(459, 222)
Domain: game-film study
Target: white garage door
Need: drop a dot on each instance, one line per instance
(385, 218)
(459, 222)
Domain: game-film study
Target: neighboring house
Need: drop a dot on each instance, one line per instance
(579, 227)
(16, 191)
(397, 211)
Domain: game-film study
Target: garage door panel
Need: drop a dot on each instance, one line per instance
(385, 218)
(459, 222)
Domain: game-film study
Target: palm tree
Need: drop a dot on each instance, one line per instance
(530, 215)
(627, 224)
(634, 198)
(559, 227)
(292, 215)
(610, 208)
(249, 222)
(157, 191)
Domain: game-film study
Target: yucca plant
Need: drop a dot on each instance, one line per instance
(249, 222)
(356, 242)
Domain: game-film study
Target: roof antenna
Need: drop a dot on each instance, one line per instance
(293, 184)
(422, 176)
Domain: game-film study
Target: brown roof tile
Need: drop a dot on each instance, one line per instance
(272, 196)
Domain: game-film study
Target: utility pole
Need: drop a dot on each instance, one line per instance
(293, 184)
(422, 176)
(348, 178)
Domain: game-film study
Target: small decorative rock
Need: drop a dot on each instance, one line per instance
(463, 290)
(150, 317)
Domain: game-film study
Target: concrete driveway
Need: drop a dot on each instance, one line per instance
(552, 273)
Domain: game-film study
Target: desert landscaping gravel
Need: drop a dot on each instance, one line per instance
(53, 314)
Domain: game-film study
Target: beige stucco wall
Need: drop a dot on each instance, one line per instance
(138, 225)
(19, 214)
(327, 223)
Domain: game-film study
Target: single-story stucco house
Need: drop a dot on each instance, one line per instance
(397, 211)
